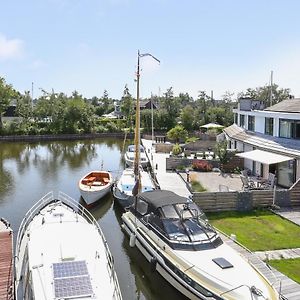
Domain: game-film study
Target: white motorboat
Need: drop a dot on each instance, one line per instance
(123, 190)
(95, 185)
(130, 156)
(175, 237)
(61, 253)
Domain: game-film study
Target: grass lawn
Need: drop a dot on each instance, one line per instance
(289, 267)
(258, 230)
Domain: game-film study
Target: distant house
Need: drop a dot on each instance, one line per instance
(274, 134)
(10, 114)
(147, 104)
(116, 114)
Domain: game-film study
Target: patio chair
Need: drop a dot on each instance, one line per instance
(244, 173)
(269, 184)
(247, 183)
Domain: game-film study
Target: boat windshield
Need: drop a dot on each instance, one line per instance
(186, 223)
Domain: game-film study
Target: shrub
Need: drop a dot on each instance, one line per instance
(176, 149)
(201, 165)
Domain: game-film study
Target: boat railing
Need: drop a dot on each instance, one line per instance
(31, 213)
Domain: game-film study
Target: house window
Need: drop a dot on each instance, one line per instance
(286, 173)
(289, 128)
(285, 128)
(242, 121)
(251, 123)
(269, 126)
(236, 118)
(297, 130)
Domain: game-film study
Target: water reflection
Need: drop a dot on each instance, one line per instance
(6, 182)
(29, 171)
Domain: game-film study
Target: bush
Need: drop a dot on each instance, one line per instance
(201, 165)
(176, 149)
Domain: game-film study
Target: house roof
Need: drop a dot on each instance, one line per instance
(289, 106)
(290, 147)
(143, 103)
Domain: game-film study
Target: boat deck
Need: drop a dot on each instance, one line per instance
(6, 263)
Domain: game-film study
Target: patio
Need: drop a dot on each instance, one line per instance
(212, 180)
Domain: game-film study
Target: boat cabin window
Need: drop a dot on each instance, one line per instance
(141, 207)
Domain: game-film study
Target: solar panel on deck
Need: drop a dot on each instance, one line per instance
(71, 279)
(71, 268)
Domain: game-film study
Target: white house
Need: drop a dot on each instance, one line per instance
(274, 134)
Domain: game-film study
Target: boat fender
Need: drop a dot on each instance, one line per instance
(153, 262)
(132, 239)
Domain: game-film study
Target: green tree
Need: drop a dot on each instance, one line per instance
(221, 151)
(177, 133)
(263, 93)
(127, 106)
(24, 107)
(185, 99)
(202, 106)
(227, 97)
(187, 117)
(7, 93)
(172, 107)
(78, 115)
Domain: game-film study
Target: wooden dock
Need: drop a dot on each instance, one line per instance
(170, 181)
(6, 261)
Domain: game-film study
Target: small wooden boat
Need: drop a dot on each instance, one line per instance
(95, 185)
(6, 261)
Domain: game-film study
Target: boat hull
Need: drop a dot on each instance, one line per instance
(122, 199)
(164, 261)
(93, 187)
(91, 197)
(158, 264)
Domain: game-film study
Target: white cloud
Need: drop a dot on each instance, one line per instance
(10, 49)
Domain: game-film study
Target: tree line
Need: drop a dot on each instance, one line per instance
(57, 113)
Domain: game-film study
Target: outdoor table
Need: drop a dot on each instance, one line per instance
(258, 181)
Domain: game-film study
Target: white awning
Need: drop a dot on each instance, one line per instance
(264, 157)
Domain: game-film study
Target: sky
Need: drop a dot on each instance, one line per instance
(203, 45)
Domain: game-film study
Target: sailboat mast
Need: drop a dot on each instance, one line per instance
(137, 120)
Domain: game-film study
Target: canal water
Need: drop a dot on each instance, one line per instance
(28, 171)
